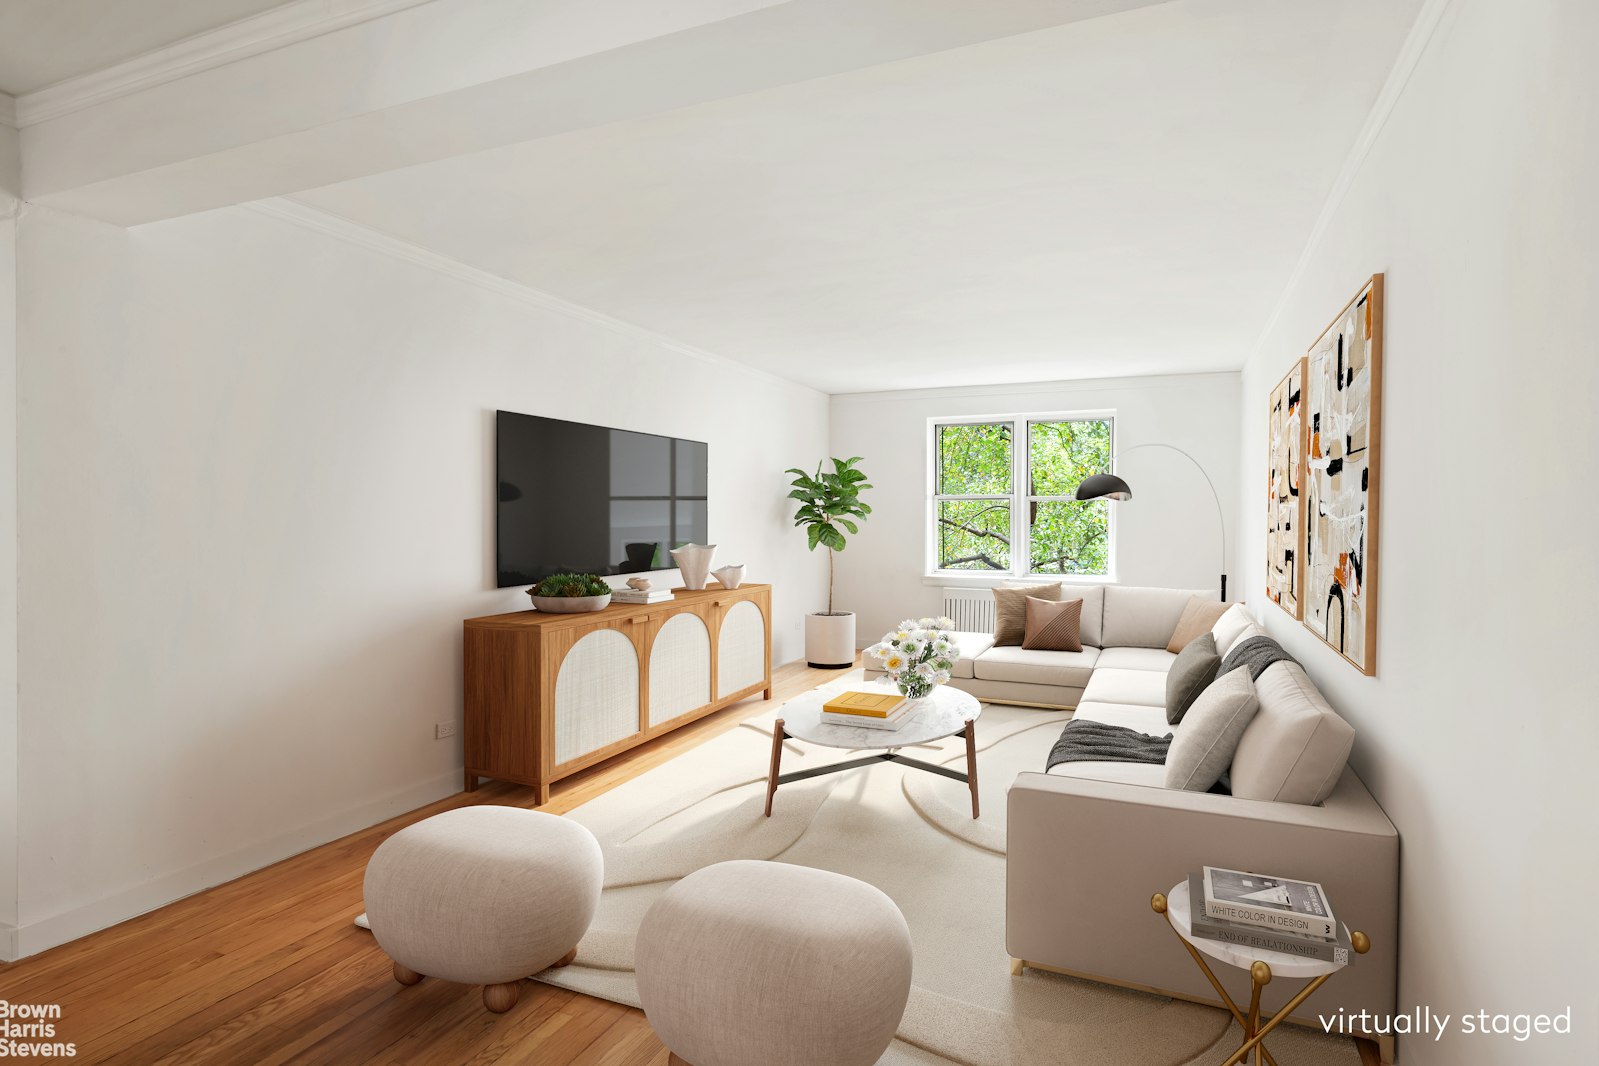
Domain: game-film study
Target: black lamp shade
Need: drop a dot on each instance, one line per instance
(1104, 486)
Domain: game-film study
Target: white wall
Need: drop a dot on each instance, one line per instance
(8, 571)
(1166, 535)
(256, 503)
(1479, 733)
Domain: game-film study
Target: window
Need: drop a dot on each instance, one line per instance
(1002, 508)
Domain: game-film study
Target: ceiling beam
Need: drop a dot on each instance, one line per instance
(451, 77)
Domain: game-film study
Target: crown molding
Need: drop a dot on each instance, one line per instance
(1405, 63)
(281, 26)
(300, 213)
(8, 110)
(1179, 379)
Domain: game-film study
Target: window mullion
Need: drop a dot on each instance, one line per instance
(1021, 557)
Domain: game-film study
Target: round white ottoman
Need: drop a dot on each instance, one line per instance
(763, 962)
(484, 896)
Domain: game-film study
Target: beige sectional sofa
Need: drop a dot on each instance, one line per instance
(1090, 842)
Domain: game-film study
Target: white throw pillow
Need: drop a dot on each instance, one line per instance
(1229, 627)
(1202, 749)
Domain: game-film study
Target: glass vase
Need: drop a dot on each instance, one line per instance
(913, 688)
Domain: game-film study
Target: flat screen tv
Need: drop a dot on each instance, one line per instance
(592, 499)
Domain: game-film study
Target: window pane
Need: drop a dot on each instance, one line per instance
(974, 534)
(1070, 538)
(1061, 454)
(974, 460)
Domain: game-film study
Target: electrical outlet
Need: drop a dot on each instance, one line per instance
(443, 729)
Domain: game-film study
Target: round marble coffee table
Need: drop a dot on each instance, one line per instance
(946, 712)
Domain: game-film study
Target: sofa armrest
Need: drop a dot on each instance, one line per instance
(1084, 856)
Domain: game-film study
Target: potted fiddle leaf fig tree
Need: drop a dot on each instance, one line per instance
(830, 507)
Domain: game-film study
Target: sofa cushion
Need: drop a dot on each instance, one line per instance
(1141, 688)
(968, 647)
(1194, 668)
(1151, 774)
(1143, 617)
(1010, 610)
(1053, 625)
(1204, 744)
(1198, 617)
(1093, 597)
(1135, 659)
(1151, 720)
(1295, 748)
(1070, 668)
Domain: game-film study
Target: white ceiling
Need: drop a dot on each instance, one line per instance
(45, 41)
(1122, 195)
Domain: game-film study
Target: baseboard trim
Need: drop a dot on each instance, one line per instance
(30, 938)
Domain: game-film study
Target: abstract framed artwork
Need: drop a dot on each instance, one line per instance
(1285, 500)
(1343, 452)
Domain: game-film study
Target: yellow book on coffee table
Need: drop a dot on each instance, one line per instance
(865, 704)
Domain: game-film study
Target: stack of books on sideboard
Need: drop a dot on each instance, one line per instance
(875, 710)
(1269, 913)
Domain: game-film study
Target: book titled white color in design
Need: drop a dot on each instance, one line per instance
(1279, 903)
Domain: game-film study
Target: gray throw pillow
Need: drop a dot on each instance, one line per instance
(1202, 749)
(1191, 672)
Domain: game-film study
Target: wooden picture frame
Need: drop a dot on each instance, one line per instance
(1342, 483)
(1285, 497)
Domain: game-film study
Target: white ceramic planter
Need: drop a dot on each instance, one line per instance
(830, 641)
(570, 604)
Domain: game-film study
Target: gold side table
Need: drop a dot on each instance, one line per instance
(1262, 966)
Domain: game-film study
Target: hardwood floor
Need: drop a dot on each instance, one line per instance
(268, 969)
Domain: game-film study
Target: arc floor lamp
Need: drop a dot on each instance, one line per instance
(1111, 487)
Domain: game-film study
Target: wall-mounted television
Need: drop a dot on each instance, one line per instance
(592, 499)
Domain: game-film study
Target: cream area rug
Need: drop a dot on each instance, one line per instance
(911, 834)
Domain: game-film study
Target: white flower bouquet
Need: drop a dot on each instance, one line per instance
(918, 655)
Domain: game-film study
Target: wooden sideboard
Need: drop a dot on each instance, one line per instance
(550, 694)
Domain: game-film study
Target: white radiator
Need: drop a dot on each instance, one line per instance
(972, 609)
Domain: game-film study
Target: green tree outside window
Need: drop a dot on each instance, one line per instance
(985, 522)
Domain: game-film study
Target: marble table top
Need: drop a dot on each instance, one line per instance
(944, 712)
(1179, 909)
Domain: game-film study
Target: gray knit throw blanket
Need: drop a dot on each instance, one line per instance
(1084, 741)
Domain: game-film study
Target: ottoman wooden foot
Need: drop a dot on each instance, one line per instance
(405, 975)
(565, 960)
(672, 1058)
(501, 998)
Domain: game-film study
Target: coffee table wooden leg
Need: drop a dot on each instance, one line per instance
(777, 762)
(971, 762)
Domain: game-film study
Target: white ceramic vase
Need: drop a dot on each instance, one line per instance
(694, 560)
(731, 577)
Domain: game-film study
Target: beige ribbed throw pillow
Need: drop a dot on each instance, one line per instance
(1010, 611)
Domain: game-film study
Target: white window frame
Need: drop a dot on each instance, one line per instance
(1020, 529)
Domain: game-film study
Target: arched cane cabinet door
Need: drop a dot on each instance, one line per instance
(740, 648)
(680, 668)
(596, 694)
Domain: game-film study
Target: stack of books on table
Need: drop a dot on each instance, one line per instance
(635, 596)
(874, 710)
(1264, 912)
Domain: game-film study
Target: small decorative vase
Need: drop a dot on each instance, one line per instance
(913, 688)
(694, 560)
(731, 577)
